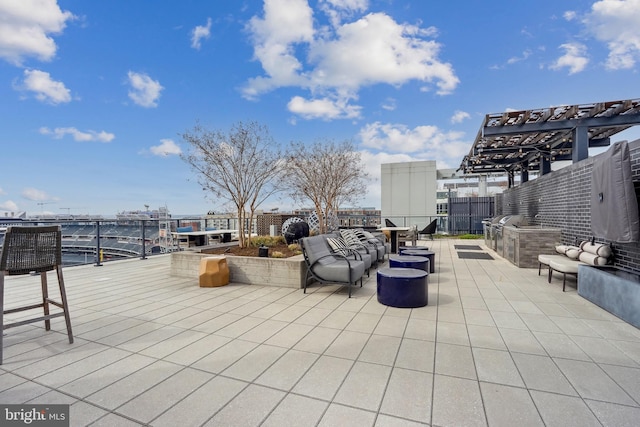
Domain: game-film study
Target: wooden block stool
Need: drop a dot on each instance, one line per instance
(214, 271)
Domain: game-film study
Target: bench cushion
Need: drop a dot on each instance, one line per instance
(587, 252)
(565, 266)
(573, 252)
(599, 249)
(592, 259)
(545, 259)
(563, 249)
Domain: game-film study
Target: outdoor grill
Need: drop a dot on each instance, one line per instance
(513, 220)
(489, 227)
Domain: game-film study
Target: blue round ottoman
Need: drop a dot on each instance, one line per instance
(409, 261)
(407, 248)
(403, 287)
(421, 252)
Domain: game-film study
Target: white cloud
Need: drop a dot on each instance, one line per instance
(459, 116)
(45, 88)
(337, 62)
(2, 192)
(422, 142)
(26, 27)
(574, 58)
(514, 59)
(389, 104)
(372, 162)
(569, 15)
(200, 32)
(166, 148)
(323, 108)
(35, 195)
(338, 10)
(285, 23)
(144, 90)
(376, 49)
(395, 137)
(9, 205)
(356, 5)
(617, 23)
(90, 135)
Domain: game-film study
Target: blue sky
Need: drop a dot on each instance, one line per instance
(95, 94)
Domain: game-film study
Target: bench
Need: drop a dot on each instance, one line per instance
(568, 258)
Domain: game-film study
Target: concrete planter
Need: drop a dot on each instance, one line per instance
(282, 272)
(613, 289)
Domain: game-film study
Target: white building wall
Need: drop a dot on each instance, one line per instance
(409, 192)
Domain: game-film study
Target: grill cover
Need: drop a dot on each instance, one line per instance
(614, 207)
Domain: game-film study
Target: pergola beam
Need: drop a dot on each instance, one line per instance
(560, 125)
(580, 148)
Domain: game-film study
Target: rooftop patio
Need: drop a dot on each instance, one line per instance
(496, 345)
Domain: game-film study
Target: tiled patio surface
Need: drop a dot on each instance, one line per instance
(496, 346)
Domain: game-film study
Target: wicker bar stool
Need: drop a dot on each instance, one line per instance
(28, 250)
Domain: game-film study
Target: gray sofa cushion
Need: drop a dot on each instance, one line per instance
(357, 238)
(339, 271)
(371, 239)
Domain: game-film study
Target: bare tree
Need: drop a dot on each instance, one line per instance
(242, 166)
(327, 173)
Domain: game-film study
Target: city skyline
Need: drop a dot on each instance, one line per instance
(96, 94)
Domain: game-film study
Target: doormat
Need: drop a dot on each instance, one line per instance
(468, 247)
(474, 255)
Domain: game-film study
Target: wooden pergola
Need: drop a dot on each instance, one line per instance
(529, 140)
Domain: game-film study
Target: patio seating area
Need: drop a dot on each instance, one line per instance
(496, 345)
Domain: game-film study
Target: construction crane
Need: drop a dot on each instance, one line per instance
(69, 210)
(41, 204)
(69, 215)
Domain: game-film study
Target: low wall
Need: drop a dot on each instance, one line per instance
(615, 290)
(282, 272)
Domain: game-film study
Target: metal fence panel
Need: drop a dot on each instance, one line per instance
(466, 214)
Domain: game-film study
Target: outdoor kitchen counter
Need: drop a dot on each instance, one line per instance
(522, 245)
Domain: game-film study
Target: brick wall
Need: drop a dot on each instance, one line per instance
(561, 199)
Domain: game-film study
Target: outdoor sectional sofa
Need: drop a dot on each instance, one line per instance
(326, 266)
(331, 259)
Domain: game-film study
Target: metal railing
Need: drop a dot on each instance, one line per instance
(419, 222)
(464, 216)
(97, 240)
